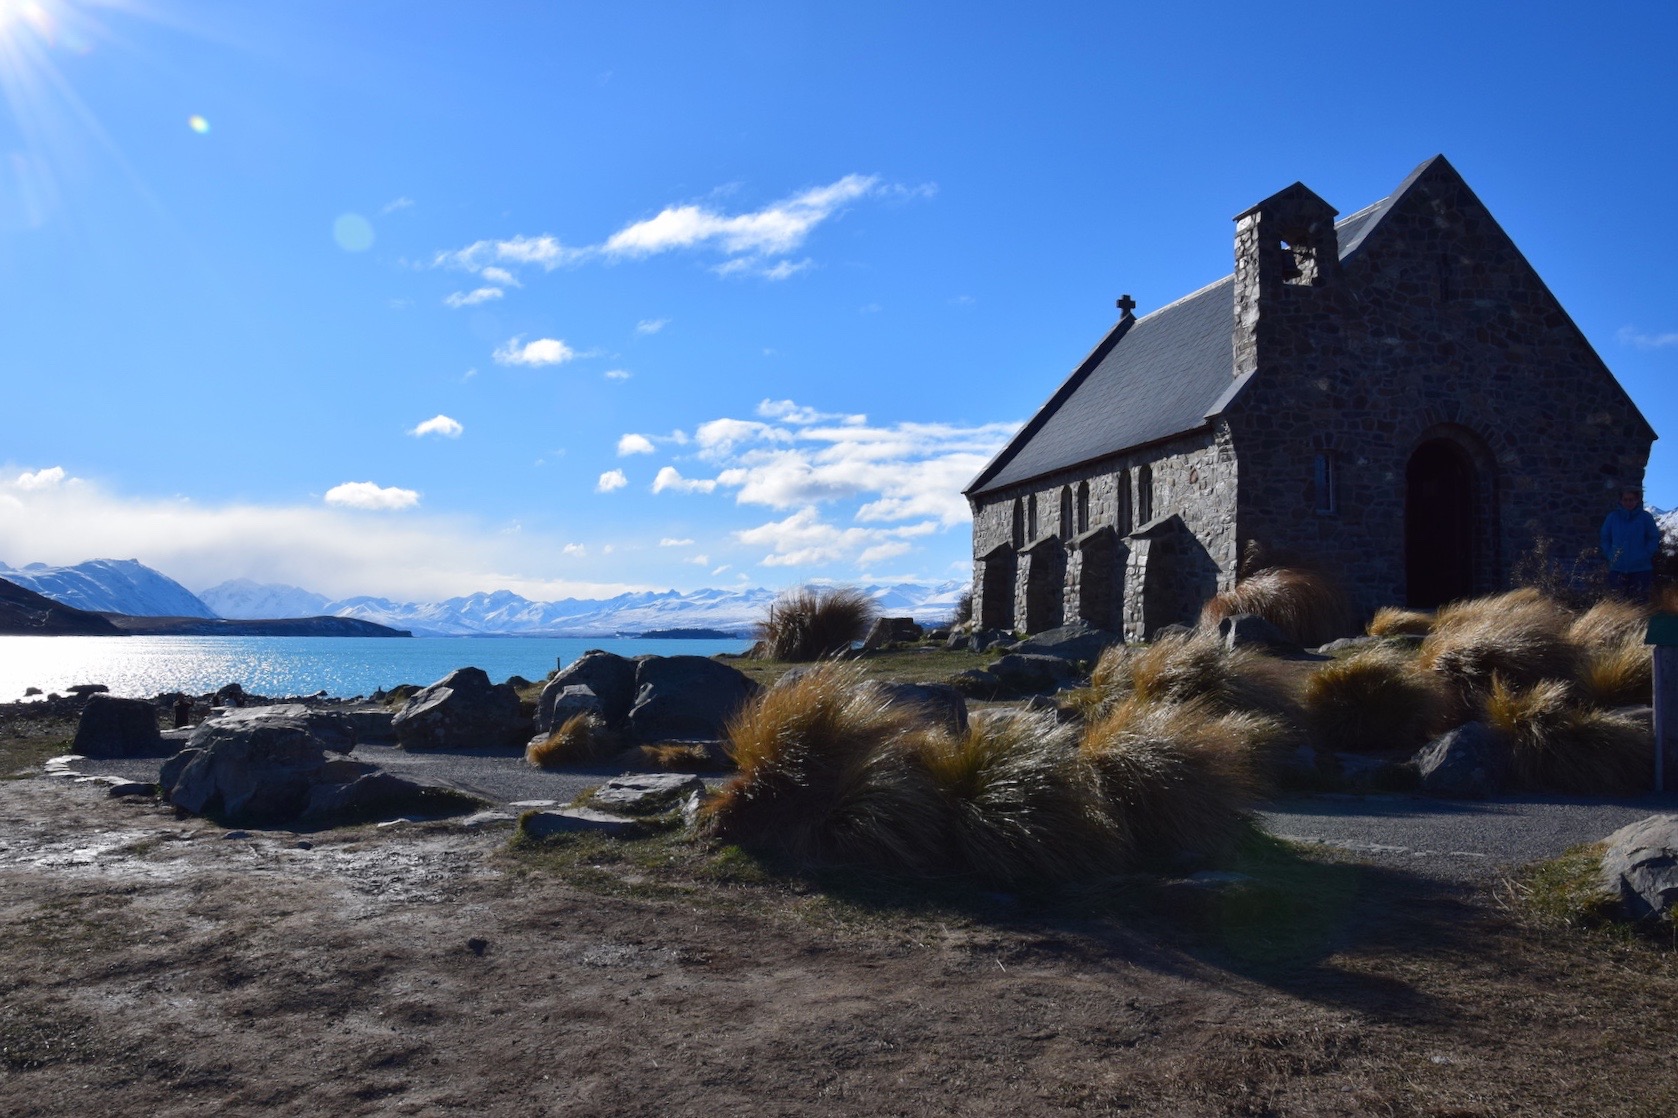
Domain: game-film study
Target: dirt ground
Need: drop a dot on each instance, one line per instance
(153, 965)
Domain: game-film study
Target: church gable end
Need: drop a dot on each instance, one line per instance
(1395, 397)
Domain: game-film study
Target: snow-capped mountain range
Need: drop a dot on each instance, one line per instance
(128, 586)
(110, 586)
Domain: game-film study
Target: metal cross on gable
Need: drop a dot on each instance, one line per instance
(1127, 306)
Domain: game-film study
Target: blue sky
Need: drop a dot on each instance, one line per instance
(420, 299)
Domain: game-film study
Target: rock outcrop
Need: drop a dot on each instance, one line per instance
(112, 727)
(609, 676)
(1640, 866)
(463, 710)
(685, 698)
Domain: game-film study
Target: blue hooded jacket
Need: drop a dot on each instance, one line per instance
(1630, 540)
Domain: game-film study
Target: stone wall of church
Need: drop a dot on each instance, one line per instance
(1192, 477)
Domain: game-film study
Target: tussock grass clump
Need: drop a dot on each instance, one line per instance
(1557, 746)
(1609, 622)
(1373, 701)
(1306, 605)
(581, 739)
(1194, 667)
(1180, 776)
(807, 624)
(1390, 621)
(1521, 636)
(828, 773)
(1024, 807)
(1618, 668)
(678, 758)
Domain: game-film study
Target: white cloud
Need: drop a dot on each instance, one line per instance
(542, 351)
(500, 276)
(670, 478)
(789, 412)
(438, 425)
(805, 539)
(763, 269)
(634, 444)
(610, 480)
(720, 569)
(418, 556)
(367, 495)
(474, 297)
(48, 478)
(651, 325)
(393, 205)
(617, 374)
(777, 228)
(698, 560)
(718, 438)
(669, 542)
(574, 549)
(1630, 335)
(545, 252)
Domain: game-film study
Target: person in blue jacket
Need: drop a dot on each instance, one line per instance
(1630, 539)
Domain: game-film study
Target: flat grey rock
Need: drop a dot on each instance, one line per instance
(1640, 866)
(579, 820)
(643, 793)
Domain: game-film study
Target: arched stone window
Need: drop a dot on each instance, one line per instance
(1065, 512)
(1018, 533)
(1145, 494)
(1083, 524)
(1122, 506)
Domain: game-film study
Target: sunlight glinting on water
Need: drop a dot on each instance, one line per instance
(280, 666)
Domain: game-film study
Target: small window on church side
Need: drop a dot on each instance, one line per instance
(1031, 516)
(1018, 533)
(1083, 507)
(1145, 494)
(1123, 522)
(1065, 512)
(1325, 485)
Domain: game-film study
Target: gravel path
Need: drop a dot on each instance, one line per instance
(1445, 839)
(1453, 839)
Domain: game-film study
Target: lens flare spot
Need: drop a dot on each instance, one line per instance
(353, 233)
(198, 124)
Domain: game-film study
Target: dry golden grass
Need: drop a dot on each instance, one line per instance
(1557, 746)
(808, 624)
(1179, 777)
(1305, 605)
(1374, 701)
(1611, 621)
(1390, 621)
(678, 758)
(581, 739)
(828, 773)
(1521, 636)
(1024, 807)
(1194, 667)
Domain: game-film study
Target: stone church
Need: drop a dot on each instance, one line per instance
(1395, 396)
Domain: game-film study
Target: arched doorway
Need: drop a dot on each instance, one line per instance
(1439, 524)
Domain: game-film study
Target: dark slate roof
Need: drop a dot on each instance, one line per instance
(1150, 378)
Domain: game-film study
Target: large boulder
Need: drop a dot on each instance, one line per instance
(111, 727)
(1640, 866)
(938, 702)
(685, 697)
(574, 700)
(1464, 763)
(333, 729)
(263, 772)
(1078, 641)
(1027, 672)
(887, 630)
(611, 677)
(463, 710)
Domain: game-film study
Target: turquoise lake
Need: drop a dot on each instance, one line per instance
(340, 666)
